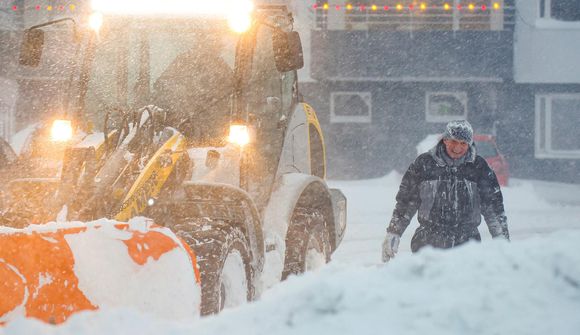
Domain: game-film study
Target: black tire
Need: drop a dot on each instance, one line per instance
(307, 232)
(212, 248)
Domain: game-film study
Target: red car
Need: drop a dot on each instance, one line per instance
(487, 148)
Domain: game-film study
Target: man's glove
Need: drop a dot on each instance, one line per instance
(390, 246)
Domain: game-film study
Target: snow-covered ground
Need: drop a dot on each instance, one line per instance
(529, 286)
(532, 208)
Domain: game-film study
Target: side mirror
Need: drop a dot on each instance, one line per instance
(287, 51)
(31, 48)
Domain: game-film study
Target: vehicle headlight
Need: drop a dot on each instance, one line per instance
(240, 23)
(239, 134)
(96, 21)
(61, 130)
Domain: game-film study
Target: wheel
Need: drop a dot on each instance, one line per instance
(307, 242)
(223, 258)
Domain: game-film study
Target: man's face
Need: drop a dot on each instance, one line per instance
(455, 149)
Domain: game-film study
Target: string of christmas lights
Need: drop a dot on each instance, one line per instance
(411, 7)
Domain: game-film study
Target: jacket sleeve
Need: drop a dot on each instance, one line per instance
(492, 203)
(408, 200)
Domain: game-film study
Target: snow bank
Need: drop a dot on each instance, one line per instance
(528, 287)
(525, 287)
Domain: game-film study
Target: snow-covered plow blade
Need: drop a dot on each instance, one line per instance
(51, 272)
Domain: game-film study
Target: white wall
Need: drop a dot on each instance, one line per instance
(545, 50)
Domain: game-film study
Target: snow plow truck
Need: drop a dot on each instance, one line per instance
(184, 138)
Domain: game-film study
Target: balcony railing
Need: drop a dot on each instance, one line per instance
(450, 15)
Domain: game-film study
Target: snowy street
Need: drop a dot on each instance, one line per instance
(529, 286)
(532, 207)
(232, 167)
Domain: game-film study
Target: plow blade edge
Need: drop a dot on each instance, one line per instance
(51, 272)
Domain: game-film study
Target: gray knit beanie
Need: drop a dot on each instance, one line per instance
(459, 130)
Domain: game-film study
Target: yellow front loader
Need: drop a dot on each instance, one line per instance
(196, 123)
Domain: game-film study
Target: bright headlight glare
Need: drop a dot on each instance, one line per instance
(96, 21)
(61, 130)
(219, 8)
(240, 23)
(239, 134)
(237, 12)
(240, 15)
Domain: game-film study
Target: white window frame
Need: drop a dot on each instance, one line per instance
(460, 95)
(547, 11)
(365, 96)
(543, 125)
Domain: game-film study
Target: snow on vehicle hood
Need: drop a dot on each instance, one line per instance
(524, 287)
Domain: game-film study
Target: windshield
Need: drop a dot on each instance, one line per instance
(183, 67)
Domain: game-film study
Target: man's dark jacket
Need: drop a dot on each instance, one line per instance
(450, 197)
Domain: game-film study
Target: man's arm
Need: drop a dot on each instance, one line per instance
(407, 200)
(492, 203)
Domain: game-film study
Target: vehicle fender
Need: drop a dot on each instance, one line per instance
(295, 151)
(290, 191)
(229, 203)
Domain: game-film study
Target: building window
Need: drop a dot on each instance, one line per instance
(561, 10)
(445, 106)
(350, 107)
(557, 131)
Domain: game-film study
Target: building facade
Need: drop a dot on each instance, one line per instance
(389, 73)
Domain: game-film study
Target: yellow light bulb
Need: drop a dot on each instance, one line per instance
(239, 134)
(240, 23)
(96, 21)
(240, 16)
(374, 7)
(61, 130)
(446, 6)
(423, 6)
(325, 6)
(399, 6)
(496, 6)
(471, 6)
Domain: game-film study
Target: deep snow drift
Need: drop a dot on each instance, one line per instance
(525, 287)
(529, 286)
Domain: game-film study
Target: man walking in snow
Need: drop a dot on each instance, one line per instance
(450, 187)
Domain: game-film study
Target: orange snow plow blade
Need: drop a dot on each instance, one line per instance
(51, 272)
